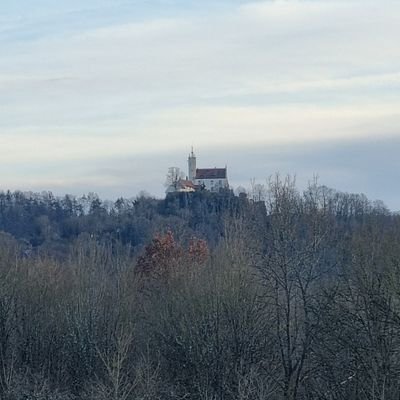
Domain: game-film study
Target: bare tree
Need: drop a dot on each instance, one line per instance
(174, 175)
(118, 383)
(291, 271)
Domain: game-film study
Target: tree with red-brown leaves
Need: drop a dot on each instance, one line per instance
(164, 256)
(159, 256)
(198, 251)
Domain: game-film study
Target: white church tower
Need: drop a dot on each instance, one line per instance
(192, 166)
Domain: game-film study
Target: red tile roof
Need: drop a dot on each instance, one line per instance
(186, 183)
(211, 173)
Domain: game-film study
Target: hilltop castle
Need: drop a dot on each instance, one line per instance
(212, 179)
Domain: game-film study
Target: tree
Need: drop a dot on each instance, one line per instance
(164, 257)
(174, 175)
(291, 271)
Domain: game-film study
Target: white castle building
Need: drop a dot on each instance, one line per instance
(212, 179)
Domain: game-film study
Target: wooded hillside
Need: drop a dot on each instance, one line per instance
(285, 295)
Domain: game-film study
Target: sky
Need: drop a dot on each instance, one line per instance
(104, 95)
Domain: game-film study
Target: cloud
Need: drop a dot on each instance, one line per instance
(279, 124)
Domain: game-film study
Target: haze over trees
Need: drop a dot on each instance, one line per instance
(277, 294)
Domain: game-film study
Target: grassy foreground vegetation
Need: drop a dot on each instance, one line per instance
(278, 295)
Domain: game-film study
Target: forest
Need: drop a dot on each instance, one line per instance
(278, 293)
